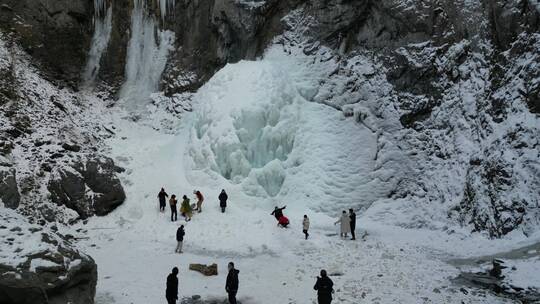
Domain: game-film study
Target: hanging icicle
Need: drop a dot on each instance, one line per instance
(100, 7)
(165, 7)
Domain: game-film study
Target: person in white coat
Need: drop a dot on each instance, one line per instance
(305, 226)
(345, 221)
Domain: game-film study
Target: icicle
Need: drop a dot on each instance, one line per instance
(100, 6)
(100, 41)
(166, 6)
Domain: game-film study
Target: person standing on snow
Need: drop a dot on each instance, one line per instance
(278, 212)
(200, 200)
(171, 293)
(305, 226)
(352, 216)
(162, 195)
(180, 238)
(231, 286)
(185, 209)
(324, 287)
(345, 224)
(174, 213)
(223, 200)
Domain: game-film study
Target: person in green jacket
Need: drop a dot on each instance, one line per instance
(186, 208)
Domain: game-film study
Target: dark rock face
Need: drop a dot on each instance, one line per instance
(69, 187)
(508, 19)
(56, 274)
(227, 31)
(57, 33)
(9, 192)
(114, 59)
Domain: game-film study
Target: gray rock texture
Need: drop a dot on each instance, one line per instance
(55, 273)
(89, 187)
(57, 33)
(9, 192)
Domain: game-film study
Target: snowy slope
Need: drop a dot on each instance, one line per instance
(134, 246)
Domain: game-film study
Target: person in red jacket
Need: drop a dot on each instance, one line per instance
(283, 221)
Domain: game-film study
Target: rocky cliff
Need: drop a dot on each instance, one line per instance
(426, 52)
(451, 88)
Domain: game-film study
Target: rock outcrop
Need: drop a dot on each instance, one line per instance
(89, 187)
(56, 33)
(9, 192)
(38, 266)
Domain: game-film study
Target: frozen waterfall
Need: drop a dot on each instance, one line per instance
(146, 56)
(100, 40)
(166, 6)
(245, 127)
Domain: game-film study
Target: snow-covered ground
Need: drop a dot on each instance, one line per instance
(253, 134)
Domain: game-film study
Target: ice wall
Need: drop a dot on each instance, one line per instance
(100, 40)
(245, 126)
(147, 53)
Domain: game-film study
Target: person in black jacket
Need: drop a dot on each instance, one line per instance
(325, 288)
(171, 293)
(174, 212)
(223, 200)
(278, 212)
(162, 195)
(352, 216)
(180, 238)
(232, 283)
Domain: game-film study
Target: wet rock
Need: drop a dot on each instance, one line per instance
(90, 187)
(207, 270)
(9, 192)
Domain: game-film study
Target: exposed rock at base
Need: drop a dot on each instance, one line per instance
(493, 281)
(89, 187)
(9, 192)
(207, 270)
(50, 271)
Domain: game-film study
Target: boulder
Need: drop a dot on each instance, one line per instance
(207, 270)
(90, 187)
(9, 192)
(52, 271)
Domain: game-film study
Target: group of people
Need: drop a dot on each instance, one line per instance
(348, 224)
(186, 208)
(231, 285)
(347, 221)
(324, 286)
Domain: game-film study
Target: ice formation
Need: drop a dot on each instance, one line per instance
(254, 125)
(146, 56)
(100, 40)
(100, 6)
(252, 136)
(165, 7)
